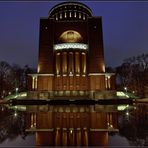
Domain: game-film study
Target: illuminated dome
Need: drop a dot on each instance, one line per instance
(70, 36)
(70, 11)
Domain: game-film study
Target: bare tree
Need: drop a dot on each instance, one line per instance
(5, 72)
(133, 73)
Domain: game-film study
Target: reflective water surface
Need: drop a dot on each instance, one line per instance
(73, 125)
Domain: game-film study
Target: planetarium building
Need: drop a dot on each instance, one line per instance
(71, 69)
(71, 56)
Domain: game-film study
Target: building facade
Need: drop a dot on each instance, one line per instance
(71, 55)
(71, 66)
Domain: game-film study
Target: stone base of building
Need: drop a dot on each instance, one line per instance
(106, 94)
(41, 95)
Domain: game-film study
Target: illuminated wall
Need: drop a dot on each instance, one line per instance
(70, 66)
(71, 54)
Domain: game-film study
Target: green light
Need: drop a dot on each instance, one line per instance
(121, 107)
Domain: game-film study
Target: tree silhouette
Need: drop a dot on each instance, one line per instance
(5, 74)
(133, 74)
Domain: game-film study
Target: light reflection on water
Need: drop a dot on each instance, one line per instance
(132, 125)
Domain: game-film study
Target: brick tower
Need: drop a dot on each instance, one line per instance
(71, 55)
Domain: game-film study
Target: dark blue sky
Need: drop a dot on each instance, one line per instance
(125, 29)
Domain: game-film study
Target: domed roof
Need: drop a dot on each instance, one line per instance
(65, 7)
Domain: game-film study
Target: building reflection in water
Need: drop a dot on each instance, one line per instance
(71, 125)
(71, 65)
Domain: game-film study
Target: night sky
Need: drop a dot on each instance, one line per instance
(125, 30)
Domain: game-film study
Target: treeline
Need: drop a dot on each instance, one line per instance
(13, 78)
(133, 74)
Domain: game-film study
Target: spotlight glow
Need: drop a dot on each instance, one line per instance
(70, 45)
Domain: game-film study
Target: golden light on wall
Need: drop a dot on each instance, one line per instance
(77, 63)
(34, 82)
(71, 63)
(108, 81)
(39, 68)
(103, 67)
(58, 63)
(64, 63)
(83, 62)
(71, 36)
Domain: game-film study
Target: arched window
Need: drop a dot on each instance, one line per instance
(71, 36)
